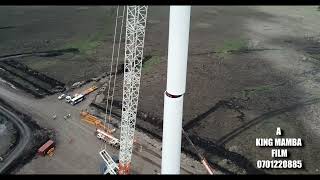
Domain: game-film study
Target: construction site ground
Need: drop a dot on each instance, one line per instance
(76, 144)
(250, 70)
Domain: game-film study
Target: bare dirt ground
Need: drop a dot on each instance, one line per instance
(251, 69)
(40, 28)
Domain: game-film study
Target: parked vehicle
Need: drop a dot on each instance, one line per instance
(46, 147)
(77, 99)
(89, 90)
(68, 99)
(61, 96)
(108, 138)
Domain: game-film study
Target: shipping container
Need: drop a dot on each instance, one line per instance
(45, 147)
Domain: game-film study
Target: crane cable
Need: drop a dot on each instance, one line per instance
(117, 63)
(111, 68)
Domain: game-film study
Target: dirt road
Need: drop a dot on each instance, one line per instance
(24, 139)
(66, 130)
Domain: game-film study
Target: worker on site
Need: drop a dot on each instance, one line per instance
(54, 117)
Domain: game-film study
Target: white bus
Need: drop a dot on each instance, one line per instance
(77, 99)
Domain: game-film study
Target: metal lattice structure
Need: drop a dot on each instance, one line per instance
(134, 44)
(112, 167)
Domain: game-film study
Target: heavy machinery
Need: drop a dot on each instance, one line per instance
(203, 160)
(136, 17)
(173, 97)
(50, 152)
(91, 119)
(134, 44)
(107, 137)
(76, 98)
(89, 90)
(111, 166)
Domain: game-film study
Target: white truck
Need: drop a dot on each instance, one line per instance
(107, 138)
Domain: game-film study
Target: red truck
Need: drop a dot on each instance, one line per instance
(46, 147)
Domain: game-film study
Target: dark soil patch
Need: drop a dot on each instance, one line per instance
(7, 27)
(25, 77)
(239, 51)
(228, 104)
(40, 76)
(50, 53)
(31, 81)
(21, 84)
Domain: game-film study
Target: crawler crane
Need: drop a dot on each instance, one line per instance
(136, 17)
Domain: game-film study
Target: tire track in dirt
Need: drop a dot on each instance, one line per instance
(49, 53)
(263, 117)
(7, 27)
(229, 104)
